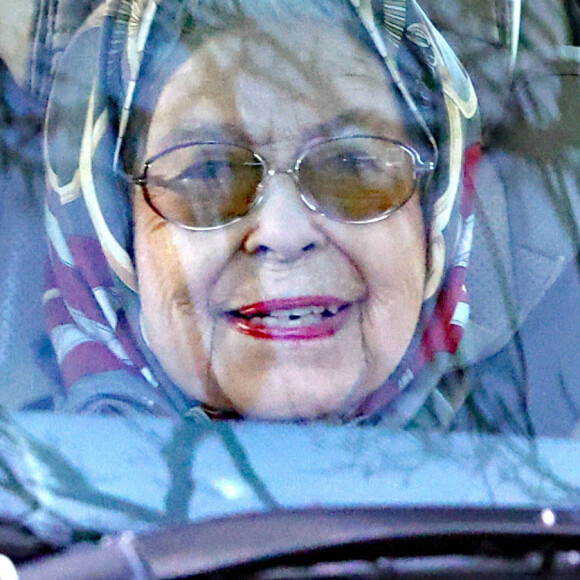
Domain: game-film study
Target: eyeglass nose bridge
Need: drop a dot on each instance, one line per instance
(293, 173)
(271, 172)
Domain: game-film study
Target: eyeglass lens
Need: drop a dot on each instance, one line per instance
(212, 184)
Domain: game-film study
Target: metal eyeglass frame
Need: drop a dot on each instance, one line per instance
(422, 172)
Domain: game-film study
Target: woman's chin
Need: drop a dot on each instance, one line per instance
(294, 394)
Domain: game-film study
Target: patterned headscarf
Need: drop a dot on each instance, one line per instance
(91, 301)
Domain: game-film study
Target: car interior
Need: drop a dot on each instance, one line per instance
(524, 59)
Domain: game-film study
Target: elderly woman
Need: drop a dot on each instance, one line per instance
(264, 209)
(259, 209)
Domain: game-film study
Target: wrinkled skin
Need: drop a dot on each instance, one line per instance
(279, 89)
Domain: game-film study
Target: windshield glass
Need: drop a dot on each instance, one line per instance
(263, 254)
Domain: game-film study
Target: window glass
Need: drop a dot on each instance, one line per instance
(266, 255)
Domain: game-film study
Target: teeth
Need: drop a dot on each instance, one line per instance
(287, 321)
(297, 312)
(306, 316)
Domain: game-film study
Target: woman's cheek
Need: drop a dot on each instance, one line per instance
(393, 264)
(167, 312)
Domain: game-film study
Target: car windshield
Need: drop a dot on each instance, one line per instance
(274, 257)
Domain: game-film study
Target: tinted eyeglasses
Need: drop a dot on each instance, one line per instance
(208, 185)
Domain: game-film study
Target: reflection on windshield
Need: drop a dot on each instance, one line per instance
(259, 255)
(66, 486)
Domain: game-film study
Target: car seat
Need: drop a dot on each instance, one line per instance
(22, 248)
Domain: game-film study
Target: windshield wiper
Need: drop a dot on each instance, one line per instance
(405, 542)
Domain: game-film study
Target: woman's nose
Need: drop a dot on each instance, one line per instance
(282, 227)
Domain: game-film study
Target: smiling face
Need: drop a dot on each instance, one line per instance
(284, 313)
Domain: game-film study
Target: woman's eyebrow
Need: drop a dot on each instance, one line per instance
(356, 120)
(219, 132)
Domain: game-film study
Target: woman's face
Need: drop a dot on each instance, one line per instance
(207, 296)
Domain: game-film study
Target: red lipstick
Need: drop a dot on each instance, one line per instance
(300, 318)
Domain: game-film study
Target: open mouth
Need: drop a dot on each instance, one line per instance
(301, 318)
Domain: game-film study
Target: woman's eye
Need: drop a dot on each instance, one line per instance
(203, 178)
(205, 171)
(356, 162)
